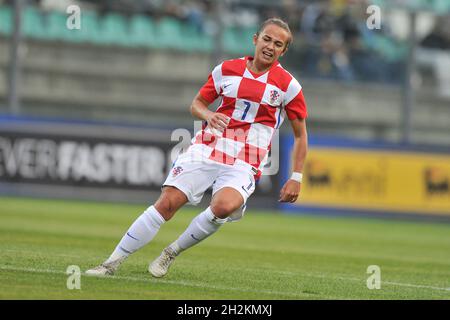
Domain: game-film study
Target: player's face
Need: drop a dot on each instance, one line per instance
(270, 44)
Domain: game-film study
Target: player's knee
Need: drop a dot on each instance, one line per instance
(165, 208)
(222, 209)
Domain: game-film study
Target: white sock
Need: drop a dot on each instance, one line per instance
(141, 232)
(201, 227)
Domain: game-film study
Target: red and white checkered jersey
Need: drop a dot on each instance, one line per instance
(256, 105)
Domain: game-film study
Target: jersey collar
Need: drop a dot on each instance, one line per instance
(258, 75)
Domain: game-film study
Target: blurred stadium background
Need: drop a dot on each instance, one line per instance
(88, 113)
(95, 114)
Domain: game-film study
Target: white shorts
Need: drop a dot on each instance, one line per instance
(194, 177)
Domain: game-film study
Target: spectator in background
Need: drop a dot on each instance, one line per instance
(335, 54)
(433, 57)
(439, 38)
(315, 21)
(366, 64)
(334, 41)
(328, 55)
(194, 13)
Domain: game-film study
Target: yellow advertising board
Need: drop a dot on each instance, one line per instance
(379, 180)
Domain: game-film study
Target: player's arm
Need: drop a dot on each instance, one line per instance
(291, 189)
(199, 109)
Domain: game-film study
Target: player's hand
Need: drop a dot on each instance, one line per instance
(218, 121)
(290, 191)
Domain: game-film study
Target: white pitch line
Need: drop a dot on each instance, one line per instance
(182, 283)
(414, 285)
(191, 284)
(400, 284)
(322, 276)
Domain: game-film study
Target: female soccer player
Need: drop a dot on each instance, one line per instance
(229, 152)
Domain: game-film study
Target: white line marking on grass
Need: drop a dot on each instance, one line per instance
(200, 285)
(354, 279)
(182, 283)
(330, 277)
(413, 285)
(400, 284)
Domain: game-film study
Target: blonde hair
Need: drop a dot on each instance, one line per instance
(278, 22)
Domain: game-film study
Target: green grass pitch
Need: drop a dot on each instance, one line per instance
(263, 256)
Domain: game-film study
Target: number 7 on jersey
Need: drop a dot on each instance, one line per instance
(247, 106)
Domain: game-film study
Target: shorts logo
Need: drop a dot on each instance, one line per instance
(274, 97)
(176, 171)
(245, 190)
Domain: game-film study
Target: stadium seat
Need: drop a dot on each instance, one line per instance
(442, 6)
(245, 38)
(195, 40)
(438, 6)
(206, 43)
(57, 27)
(6, 20)
(114, 30)
(168, 32)
(33, 23)
(390, 49)
(231, 41)
(90, 29)
(142, 32)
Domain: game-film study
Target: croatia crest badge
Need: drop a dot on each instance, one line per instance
(274, 97)
(176, 171)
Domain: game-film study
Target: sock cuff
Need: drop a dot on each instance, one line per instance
(176, 247)
(155, 216)
(211, 217)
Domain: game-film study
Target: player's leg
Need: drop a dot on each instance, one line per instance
(143, 230)
(147, 225)
(224, 202)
